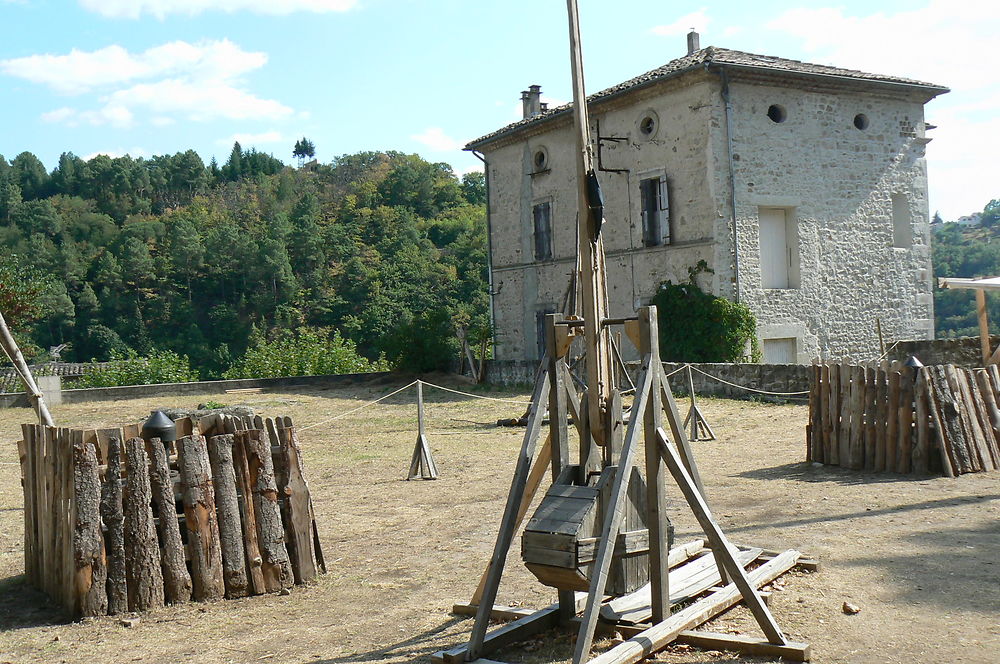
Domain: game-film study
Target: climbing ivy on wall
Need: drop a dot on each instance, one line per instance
(696, 326)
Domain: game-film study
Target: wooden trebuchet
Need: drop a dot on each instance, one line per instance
(199, 513)
(90, 589)
(220, 453)
(176, 579)
(114, 520)
(275, 565)
(142, 550)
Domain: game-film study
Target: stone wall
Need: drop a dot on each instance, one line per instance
(202, 387)
(962, 352)
(782, 378)
(836, 184)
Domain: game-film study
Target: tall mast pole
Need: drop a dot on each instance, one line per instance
(591, 250)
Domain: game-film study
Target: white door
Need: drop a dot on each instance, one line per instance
(779, 351)
(773, 248)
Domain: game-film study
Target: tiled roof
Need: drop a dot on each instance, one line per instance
(703, 58)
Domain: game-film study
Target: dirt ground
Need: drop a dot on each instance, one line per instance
(919, 556)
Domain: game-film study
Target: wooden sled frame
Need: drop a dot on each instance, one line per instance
(663, 453)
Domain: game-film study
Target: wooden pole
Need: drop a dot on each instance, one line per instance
(14, 353)
(984, 325)
(591, 249)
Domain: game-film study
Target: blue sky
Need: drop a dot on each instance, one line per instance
(149, 77)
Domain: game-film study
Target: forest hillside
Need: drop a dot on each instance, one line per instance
(124, 256)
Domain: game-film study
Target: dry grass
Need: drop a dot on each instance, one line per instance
(920, 556)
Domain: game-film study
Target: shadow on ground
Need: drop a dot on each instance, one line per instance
(421, 646)
(24, 606)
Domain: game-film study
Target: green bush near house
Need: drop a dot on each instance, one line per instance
(696, 326)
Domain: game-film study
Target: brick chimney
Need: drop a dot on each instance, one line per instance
(531, 103)
(693, 42)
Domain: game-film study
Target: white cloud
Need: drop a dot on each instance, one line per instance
(83, 71)
(199, 82)
(161, 8)
(943, 42)
(253, 139)
(436, 139)
(698, 21)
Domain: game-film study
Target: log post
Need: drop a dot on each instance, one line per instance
(296, 506)
(112, 513)
(199, 513)
(220, 454)
(176, 579)
(90, 582)
(275, 565)
(142, 550)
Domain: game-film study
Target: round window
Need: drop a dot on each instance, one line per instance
(777, 113)
(861, 121)
(540, 160)
(647, 125)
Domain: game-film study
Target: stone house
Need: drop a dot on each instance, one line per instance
(802, 186)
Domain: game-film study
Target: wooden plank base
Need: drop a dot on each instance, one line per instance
(746, 645)
(526, 622)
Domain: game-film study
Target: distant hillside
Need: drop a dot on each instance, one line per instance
(966, 251)
(119, 255)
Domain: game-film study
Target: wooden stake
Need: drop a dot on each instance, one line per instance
(112, 513)
(199, 512)
(142, 549)
(234, 569)
(176, 579)
(91, 573)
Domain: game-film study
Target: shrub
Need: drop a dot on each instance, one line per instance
(305, 352)
(160, 366)
(696, 326)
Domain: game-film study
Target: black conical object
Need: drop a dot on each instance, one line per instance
(159, 426)
(913, 362)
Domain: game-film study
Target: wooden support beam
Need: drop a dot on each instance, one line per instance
(720, 545)
(477, 640)
(656, 501)
(512, 632)
(745, 645)
(984, 325)
(614, 517)
(14, 353)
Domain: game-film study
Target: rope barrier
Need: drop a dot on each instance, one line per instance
(476, 396)
(361, 407)
(750, 389)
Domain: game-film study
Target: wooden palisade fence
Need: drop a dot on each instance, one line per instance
(222, 512)
(933, 419)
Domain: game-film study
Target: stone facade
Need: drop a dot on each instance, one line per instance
(829, 161)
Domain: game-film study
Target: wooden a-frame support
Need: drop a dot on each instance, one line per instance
(664, 453)
(699, 427)
(422, 464)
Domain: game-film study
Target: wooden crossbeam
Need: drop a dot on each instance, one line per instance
(746, 645)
